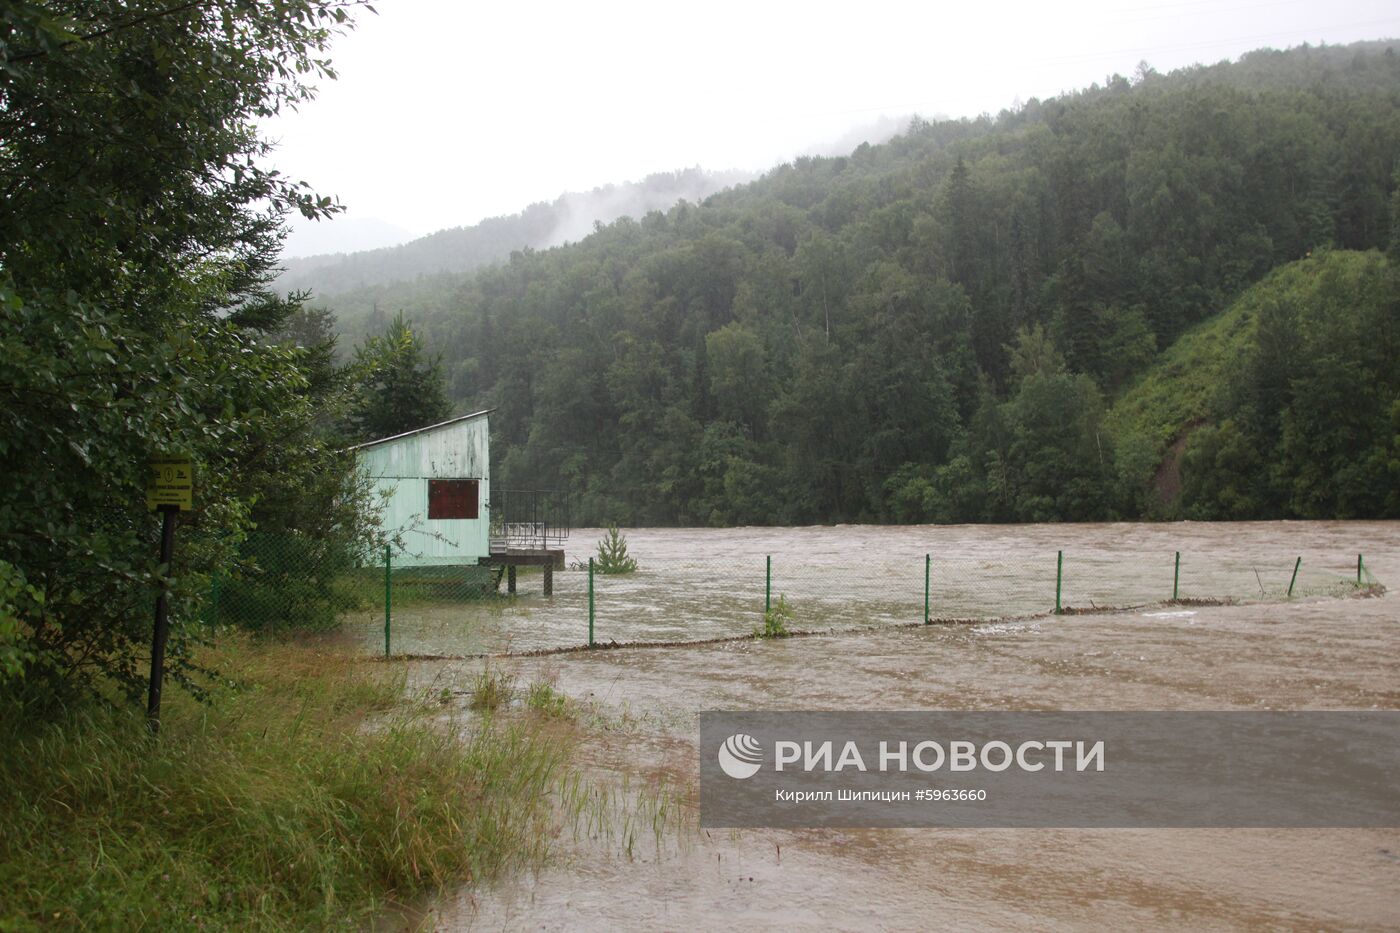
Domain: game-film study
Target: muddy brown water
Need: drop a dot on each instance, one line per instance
(696, 584)
(1311, 653)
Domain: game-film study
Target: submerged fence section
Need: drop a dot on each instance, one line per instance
(390, 606)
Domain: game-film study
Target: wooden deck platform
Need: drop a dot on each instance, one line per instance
(510, 558)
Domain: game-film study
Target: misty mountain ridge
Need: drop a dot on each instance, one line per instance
(459, 250)
(345, 233)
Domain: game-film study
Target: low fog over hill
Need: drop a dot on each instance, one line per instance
(569, 217)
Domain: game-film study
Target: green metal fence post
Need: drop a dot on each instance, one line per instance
(1358, 569)
(1296, 565)
(1176, 579)
(928, 566)
(768, 586)
(388, 599)
(1059, 577)
(590, 602)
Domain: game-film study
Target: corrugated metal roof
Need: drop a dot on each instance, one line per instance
(431, 427)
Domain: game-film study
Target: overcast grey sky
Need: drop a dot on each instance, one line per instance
(447, 112)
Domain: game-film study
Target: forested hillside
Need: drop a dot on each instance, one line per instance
(936, 327)
(1286, 404)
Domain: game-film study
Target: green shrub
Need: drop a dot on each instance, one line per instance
(15, 592)
(612, 554)
(284, 582)
(776, 621)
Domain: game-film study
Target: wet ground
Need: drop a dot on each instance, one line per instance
(1313, 653)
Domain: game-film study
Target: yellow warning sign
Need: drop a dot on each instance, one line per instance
(171, 483)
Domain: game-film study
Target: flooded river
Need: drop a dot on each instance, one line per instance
(696, 584)
(1309, 653)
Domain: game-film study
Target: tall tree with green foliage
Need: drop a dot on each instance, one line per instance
(399, 387)
(139, 227)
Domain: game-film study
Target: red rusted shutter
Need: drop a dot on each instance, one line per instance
(453, 498)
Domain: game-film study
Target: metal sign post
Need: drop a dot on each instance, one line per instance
(169, 490)
(167, 549)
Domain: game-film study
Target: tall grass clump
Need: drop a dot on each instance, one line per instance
(310, 795)
(543, 699)
(492, 689)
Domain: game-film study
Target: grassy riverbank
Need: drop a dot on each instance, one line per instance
(308, 794)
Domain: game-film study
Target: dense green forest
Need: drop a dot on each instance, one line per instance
(944, 327)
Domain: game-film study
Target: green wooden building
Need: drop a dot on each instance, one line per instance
(438, 485)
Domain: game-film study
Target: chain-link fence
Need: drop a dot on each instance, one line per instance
(288, 582)
(389, 605)
(1066, 581)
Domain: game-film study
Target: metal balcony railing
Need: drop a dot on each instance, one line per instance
(529, 519)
